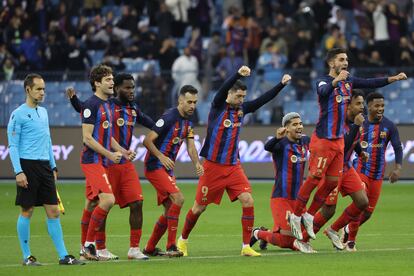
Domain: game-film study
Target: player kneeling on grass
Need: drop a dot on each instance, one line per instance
(289, 150)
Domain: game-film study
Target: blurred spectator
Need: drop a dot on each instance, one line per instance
(152, 93)
(168, 54)
(54, 55)
(199, 15)
(92, 7)
(228, 65)
(195, 44)
(77, 57)
(8, 68)
(276, 39)
(375, 60)
(405, 53)
(236, 34)
(185, 71)
(129, 19)
(179, 9)
(335, 39)
(31, 48)
(253, 41)
(322, 10)
(272, 58)
(164, 22)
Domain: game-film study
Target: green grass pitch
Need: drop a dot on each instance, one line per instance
(385, 243)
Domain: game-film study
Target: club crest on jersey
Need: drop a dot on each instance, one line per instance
(176, 140)
(303, 150)
(227, 123)
(347, 86)
(240, 113)
(105, 124)
(364, 144)
(134, 113)
(120, 122)
(383, 134)
(339, 98)
(294, 158)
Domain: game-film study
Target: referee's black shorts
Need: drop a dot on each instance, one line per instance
(41, 188)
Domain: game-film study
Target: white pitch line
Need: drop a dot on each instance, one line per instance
(286, 253)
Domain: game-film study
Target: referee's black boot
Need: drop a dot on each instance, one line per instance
(70, 260)
(31, 261)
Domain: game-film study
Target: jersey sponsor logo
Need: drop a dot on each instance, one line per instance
(105, 124)
(364, 144)
(159, 123)
(383, 134)
(176, 140)
(339, 98)
(227, 123)
(321, 83)
(120, 122)
(87, 113)
(376, 145)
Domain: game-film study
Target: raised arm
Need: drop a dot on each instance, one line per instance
(252, 106)
(273, 144)
(74, 100)
(221, 94)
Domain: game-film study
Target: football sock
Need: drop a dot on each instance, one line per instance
(190, 222)
(172, 222)
(303, 195)
(54, 229)
(321, 194)
(100, 239)
(247, 221)
(23, 233)
(97, 220)
(276, 239)
(351, 213)
(86, 217)
(135, 237)
(159, 230)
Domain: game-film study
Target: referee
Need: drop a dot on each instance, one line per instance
(30, 148)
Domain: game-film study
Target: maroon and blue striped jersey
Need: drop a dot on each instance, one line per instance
(124, 118)
(97, 112)
(172, 129)
(225, 121)
(289, 160)
(333, 102)
(374, 140)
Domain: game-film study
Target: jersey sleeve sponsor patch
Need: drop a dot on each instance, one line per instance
(321, 83)
(159, 123)
(87, 113)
